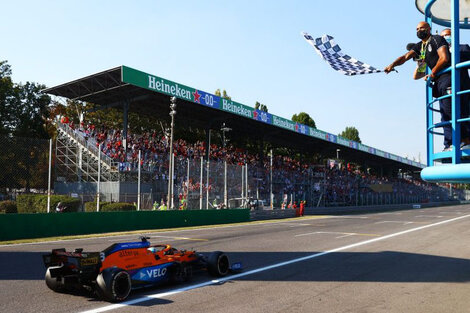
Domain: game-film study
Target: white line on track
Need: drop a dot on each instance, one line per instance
(399, 222)
(435, 216)
(167, 237)
(266, 268)
(343, 234)
(344, 216)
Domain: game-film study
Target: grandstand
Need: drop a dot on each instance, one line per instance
(201, 183)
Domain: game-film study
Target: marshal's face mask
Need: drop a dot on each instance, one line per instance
(448, 39)
(422, 34)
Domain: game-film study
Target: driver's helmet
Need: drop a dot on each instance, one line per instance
(152, 249)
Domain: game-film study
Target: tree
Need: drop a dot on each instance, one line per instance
(6, 96)
(24, 110)
(31, 111)
(351, 133)
(304, 118)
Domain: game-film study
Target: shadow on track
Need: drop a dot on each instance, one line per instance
(384, 266)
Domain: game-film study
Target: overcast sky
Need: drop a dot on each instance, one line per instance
(253, 49)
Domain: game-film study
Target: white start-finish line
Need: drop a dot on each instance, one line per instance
(266, 268)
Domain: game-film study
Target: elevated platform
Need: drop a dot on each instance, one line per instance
(448, 173)
(440, 12)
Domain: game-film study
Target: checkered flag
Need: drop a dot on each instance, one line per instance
(326, 47)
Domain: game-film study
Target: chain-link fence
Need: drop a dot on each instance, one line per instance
(24, 165)
(197, 184)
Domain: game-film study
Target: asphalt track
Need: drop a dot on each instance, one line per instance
(404, 261)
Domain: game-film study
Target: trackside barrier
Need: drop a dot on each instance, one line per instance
(40, 225)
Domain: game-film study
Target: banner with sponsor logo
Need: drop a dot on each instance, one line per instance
(180, 91)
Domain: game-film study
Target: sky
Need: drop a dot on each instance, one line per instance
(253, 49)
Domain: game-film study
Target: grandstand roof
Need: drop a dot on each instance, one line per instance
(149, 94)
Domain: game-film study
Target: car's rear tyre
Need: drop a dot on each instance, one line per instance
(113, 284)
(218, 264)
(54, 283)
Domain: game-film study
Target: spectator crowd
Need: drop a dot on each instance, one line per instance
(334, 184)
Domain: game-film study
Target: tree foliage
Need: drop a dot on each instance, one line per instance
(304, 118)
(351, 133)
(6, 96)
(24, 110)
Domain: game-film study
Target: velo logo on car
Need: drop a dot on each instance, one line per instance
(153, 273)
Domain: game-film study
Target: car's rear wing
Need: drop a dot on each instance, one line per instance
(77, 259)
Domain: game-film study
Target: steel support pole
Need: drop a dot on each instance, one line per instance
(170, 156)
(455, 76)
(200, 183)
(172, 181)
(99, 180)
(246, 180)
(49, 178)
(225, 185)
(243, 182)
(208, 168)
(271, 195)
(138, 183)
(207, 184)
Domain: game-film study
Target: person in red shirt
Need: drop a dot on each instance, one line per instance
(302, 207)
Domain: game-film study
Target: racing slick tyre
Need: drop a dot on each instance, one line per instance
(54, 283)
(218, 264)
(113, 284)
(181, 272)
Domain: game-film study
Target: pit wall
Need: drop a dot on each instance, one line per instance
(40, 225)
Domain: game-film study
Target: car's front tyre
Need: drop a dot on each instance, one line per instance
(218, 264)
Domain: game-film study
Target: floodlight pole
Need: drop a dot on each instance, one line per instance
(224, 129)
(170, 167)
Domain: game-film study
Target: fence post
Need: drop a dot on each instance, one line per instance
(207, 184)
(225, 184)
(172, 195)
(271, 195)
(49, 178)
(200, 184)
(246, 180)
(98, 182)
(138, 183)
(186, 196)
(243, 186)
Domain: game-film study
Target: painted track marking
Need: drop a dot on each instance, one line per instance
(343, 234)
(168, 237)
(266, 268)
(149, 232)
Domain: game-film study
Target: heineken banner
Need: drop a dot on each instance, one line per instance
(168, 87)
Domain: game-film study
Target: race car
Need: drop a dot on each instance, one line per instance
(122, 267)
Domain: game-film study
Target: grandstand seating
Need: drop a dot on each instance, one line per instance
(320, 185)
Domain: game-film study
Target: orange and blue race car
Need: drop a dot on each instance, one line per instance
(122, 267)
